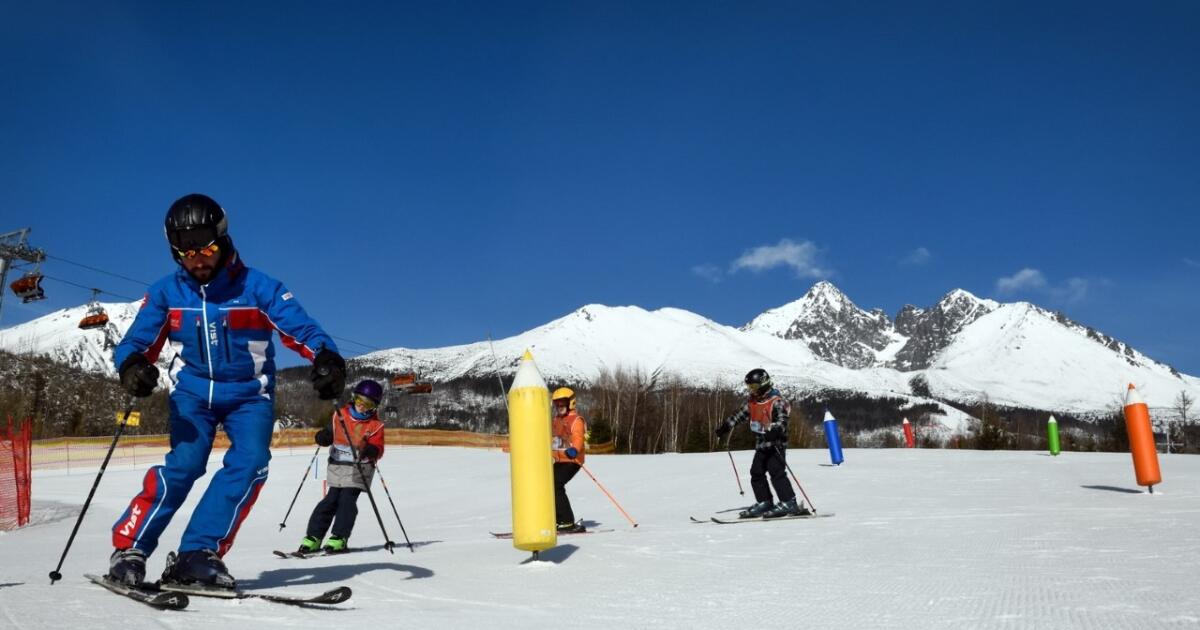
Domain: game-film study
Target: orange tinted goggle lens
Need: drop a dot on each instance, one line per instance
(364, 402)
(207, 250)
(754, 386)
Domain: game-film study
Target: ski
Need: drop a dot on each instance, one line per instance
(705, 520)
(332, 596)
(760, 519)
(293, 555)
(147, 595)
(508, 535)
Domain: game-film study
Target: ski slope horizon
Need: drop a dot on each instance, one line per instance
(920, 539)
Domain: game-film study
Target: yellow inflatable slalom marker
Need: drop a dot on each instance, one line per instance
(529, 460)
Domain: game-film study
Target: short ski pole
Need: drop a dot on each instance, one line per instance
(394, 511)
(312, 461)
(55, 575)
(337, 412)
(728, 444)
(789, 469)
(607, 494)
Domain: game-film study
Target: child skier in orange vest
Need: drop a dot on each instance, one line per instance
(340, 505)
(568, 431)
(767, 412)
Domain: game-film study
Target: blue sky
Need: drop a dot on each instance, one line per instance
(422, 175)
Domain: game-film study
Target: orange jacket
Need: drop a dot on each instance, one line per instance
(369, 431)
(568, 431)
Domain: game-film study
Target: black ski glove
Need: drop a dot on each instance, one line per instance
(775, 433)
(324, 437)
(138, 376)
(328, 374)
(723, 428)
(370, 452)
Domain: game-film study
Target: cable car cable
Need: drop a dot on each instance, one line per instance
(98, 270)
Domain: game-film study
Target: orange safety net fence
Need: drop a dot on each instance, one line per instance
(144, 450)
(15, 473)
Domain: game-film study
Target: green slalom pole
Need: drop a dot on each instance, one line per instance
(1052, 436)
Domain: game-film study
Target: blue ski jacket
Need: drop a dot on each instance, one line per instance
(219, 333)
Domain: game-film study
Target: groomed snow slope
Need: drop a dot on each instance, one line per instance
(921, 539)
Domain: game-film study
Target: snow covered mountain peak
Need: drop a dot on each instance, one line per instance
(930, 330)
(831, 325)
(963, 301)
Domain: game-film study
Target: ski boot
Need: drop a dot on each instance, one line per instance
(201, 568)
(787, 508)
(571, 528)
(309, 545)
(127, 566)
(336, 544)
(757, 510)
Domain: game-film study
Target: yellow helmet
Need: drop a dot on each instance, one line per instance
(567, 393)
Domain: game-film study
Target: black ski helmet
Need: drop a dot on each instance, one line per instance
(193, 222)
(758, 380)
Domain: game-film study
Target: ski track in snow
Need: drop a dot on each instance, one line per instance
(922, 539)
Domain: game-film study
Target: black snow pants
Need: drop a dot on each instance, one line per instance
(563, 472)
(770, 461)
(340, 507)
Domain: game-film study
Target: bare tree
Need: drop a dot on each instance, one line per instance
(1182, 406)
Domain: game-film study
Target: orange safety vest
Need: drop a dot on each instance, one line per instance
(365, 432)
(760, 413)
(568, 431)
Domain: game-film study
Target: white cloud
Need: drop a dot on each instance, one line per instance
(801, 257)
(1024, 279)
(1030, 280)
(918, 256)
(712, 273)
(1191, 262)
(1073, 291)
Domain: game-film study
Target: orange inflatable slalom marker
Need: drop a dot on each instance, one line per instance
(1141, 440)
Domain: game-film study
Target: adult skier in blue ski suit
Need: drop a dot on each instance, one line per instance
(215, 317)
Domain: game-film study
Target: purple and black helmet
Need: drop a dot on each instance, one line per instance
(370, 389)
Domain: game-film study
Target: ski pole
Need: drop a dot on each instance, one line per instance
(728, 444)
(789, 469)
(55, 575)
(606, 493)
(312, 461)
(394, 511)
(337, 411)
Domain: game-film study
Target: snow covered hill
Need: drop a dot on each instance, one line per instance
(59, 337)
(921, 539)
(965, 347)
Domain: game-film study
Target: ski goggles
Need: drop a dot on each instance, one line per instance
(208, 250)
(754, 387)
(366, 403)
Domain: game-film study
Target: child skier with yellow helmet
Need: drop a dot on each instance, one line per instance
(568, 430)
